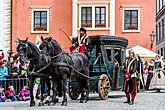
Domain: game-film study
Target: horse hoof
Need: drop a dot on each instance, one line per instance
(32, 103)
(64, 104)
(81, 101)
(56, 100)
(41, 104)
(51, 103)
(46, 102)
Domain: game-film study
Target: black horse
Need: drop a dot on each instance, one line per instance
(65, 64)
(28, 51)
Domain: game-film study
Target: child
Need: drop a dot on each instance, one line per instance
(10, 93)
(25, 93)
(2, 95)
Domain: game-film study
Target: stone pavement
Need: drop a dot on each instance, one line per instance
(147, 100)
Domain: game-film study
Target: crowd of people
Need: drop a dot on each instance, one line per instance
(10, 68)
(148, 75)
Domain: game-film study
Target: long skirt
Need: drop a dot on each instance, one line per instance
(158, 80)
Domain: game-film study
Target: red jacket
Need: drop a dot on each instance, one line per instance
(8, 92)
(2, 56)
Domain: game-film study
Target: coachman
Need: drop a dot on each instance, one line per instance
(81, 42)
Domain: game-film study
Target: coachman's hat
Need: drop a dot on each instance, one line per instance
(83, 29)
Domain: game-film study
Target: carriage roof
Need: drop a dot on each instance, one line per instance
(108, 40)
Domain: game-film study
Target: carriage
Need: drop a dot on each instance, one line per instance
(107, 55)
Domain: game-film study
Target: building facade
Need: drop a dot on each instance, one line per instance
(160, 27)
(5, 25)
(32, 18)
(132, 19)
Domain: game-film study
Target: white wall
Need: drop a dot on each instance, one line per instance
(5, 26)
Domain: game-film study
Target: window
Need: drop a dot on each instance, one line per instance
(161, 51)
(159, 31)
(40, 20)
(131, 20)
(93, 16)
(163, 29)
(157, 36)
(86, 16)
(164, 52)
(100, 17)
(162, 3)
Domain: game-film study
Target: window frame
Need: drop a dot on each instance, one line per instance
(32, 19)
(100, 18)
(86, 9)
(123, 19)
(93, 6)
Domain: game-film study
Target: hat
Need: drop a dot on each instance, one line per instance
(83, 29)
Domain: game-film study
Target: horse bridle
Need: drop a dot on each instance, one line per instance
(27, 47)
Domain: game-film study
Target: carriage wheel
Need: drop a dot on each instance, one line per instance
(73, 92)
(103, 86)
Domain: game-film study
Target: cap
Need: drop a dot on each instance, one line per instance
(83, 29)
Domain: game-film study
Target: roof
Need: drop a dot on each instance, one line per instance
(108, 40)
(143, 52)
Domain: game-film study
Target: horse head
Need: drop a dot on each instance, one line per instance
(26, 50)
(22, 49)
(50, 46)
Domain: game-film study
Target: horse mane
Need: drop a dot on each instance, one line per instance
(31, 45)
(55, 43)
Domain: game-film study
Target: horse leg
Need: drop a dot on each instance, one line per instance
(79, 79)
(64, 88)
(32, 102)
(41, 103)
(86, 84)
(54, 99)
(47, 99)
(86, 87)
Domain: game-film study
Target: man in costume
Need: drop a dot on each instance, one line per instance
(130, 75)
(81, 42)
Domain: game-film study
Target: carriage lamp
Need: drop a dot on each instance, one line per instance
(152, 38)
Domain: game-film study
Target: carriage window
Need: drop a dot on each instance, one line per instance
(108, 51)
(40, 21)
(117, 56)
(95, 55)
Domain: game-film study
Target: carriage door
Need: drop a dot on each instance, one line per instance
(108, 59)
(117, 75)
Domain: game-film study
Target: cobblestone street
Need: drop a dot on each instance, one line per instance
(145, 101)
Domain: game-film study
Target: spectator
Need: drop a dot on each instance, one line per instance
(9, 64)
(1, 55)
(3, 71)
(10, 93)
(158, 79)
(14, 69)
(145, 72)
(2, 95)
(24, 69)
(150, 73)
(25, 93)
(36, 88)
(140, 80)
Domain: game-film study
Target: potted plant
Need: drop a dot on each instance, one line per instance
(40, 28)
